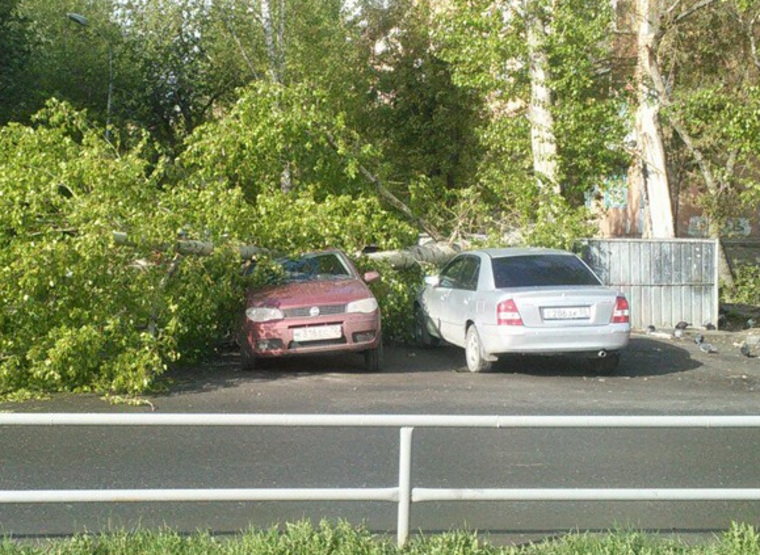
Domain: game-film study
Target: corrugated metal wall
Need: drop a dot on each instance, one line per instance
(666, 281)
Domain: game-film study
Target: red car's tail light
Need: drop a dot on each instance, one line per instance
(507, 314)
(622, 312)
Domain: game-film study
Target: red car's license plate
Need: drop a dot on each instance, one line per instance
(317, 333)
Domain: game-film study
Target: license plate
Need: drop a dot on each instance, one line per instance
(317, 333)
(566, 313)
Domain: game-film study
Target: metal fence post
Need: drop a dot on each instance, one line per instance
(404, 485)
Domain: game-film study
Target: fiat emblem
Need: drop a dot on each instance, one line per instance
(314, 311)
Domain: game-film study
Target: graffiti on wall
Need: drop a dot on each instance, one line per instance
(733, 227)
(613, 193)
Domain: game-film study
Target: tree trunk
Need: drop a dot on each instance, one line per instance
(186, 246)
(434, 253)
(660, 92)
(543, 140)
(269, 39)
(653, 169)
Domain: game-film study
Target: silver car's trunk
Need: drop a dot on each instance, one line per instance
(565, 307)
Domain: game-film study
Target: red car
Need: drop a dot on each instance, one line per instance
(323, 306)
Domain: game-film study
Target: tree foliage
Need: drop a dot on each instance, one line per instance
(712, 103)
(422, 122)
(15, 49)
(485, 42)
(67, 60)
(271, 126)
(77, 312)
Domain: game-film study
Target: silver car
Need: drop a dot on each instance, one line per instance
(523, 300)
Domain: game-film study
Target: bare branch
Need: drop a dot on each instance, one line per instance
(752, 41)
(691, 11)
(672, 8)
(240, 47)
(388, 196)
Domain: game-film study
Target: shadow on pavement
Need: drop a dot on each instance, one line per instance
(644, 357)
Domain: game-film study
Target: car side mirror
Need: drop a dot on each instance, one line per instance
(369, 277)
(432, 281)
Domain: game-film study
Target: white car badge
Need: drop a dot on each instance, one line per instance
(314, 311)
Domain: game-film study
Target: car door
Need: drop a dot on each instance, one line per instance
(459, 304)
(436, 297)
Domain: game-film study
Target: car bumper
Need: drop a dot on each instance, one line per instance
(503, 340)
(358, 332)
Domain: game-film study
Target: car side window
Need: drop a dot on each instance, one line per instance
(450, 275)
(462, 273)
(470, 274)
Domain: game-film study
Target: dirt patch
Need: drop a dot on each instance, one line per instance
(739, 317)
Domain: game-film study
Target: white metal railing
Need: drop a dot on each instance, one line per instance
(403, 494)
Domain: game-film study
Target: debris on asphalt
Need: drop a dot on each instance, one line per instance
(707, 348)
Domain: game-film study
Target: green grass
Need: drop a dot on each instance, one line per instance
(341, 538)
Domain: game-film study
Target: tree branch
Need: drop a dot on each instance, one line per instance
(691, 11)
(240, 48)
(388, 196)
(752, 41)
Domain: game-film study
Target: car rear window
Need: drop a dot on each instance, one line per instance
(541, 270)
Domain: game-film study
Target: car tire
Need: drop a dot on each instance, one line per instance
(421, 334)
(373, 358)
(606, 365)
(476, 361)
(248, 362)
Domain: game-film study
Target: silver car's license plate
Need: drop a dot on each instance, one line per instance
(566, 313)
(317, 333)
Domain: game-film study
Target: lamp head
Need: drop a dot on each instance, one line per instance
(78, 18)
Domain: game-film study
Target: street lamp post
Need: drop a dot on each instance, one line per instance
(82, 20)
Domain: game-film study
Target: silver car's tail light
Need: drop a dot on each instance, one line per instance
(507, 314)
(622, 312)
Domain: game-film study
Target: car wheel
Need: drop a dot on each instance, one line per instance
(373, 358)
(606, 365)
(248, 362)
(473, 349)
(421, 334)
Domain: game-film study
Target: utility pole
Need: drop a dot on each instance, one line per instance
(82, 20)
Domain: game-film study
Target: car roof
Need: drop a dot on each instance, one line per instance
(503, 252)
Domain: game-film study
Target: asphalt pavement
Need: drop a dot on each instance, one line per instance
(660, 374)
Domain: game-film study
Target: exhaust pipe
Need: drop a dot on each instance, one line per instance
(602, 354)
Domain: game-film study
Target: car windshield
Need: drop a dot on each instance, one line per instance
(315, 267)
(541, 270)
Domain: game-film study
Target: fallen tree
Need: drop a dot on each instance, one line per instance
(430, 253)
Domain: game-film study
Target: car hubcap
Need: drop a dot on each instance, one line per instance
(473, 350)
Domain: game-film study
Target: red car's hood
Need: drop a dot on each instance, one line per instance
(309, 293)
